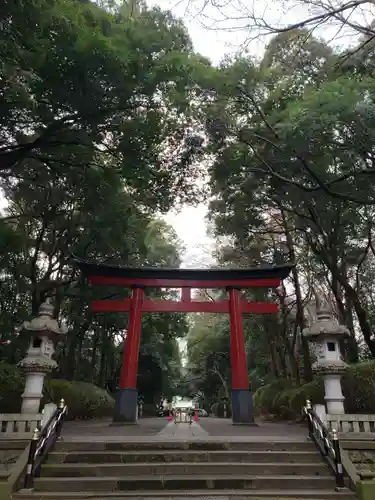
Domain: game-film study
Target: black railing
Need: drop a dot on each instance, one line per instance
(42, 442)
(327, 442)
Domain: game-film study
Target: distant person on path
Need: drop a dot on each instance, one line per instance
(190, 415)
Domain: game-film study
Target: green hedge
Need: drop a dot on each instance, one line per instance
(359, 388)
(150, 410)
(267, 398)
(84, 400)
(284, 398)
(12, 383)
(218, 409)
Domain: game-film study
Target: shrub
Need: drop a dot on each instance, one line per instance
(84, 400)
(266, 397)
(12, 383)
(359, 387)
(218, 409)
(214, 409)
(281, 404)
(150, 410)
(284, 399)
(314, 391)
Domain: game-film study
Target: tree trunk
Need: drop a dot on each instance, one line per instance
(300, 318)
(81, 337)
(352, 344)
(361, 312)
(363, 322)
(69, 358)
(223, 381)
(103, 349)
(351, 294)
(93, 357)
(274, 365)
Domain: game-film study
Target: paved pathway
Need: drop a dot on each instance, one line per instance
(183, 431)
(284, 431)
(158, 429)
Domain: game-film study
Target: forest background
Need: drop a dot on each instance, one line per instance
(108, 119)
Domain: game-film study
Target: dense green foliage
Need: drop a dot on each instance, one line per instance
(284, 399)
(97, 141)
(85, 400)
(108, 118)
(291, 140)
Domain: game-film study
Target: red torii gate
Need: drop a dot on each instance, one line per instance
(233, 280)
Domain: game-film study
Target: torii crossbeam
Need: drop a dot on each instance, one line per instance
(186, 279)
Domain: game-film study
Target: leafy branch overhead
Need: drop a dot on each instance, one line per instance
(109, 118)
(98, 139)
(293, 124)
(93, 88)
(292, 143)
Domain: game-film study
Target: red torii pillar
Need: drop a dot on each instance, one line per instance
(138, 279)
(126, 404)
(242, 401)
(127, 399)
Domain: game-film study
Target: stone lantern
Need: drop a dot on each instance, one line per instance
(45, 332)
(326, 334)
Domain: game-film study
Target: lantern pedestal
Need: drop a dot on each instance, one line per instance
(44, 331)
(326, 333)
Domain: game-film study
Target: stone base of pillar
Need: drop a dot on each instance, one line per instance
(333, 394)
(33, 392)
(320, 410)
(242, 407)
(335, 406)
(31, 403)
(126, 407)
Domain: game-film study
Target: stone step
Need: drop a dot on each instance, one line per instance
(182, 482)
(187, 468)
(70, 446)
(159, 456)
(265, 494)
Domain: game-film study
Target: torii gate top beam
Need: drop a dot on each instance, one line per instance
(262, 277)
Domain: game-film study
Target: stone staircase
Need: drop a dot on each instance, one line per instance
(188, 470)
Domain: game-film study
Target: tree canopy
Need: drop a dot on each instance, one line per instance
(99, 137)
(109, 118)
(291, 142)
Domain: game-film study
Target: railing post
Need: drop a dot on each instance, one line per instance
(60, 418)
(29, 477)
(310, 424)
(40, 423)
(340, 483)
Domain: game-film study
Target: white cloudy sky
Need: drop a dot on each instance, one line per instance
(189, 222)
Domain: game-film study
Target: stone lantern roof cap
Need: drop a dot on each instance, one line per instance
(44, 323)
(326, 325)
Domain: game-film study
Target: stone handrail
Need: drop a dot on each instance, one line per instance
(18, 426)
(349, 468)
(356, 424)
(11, 479)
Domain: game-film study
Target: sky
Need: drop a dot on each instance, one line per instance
(189, 222)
